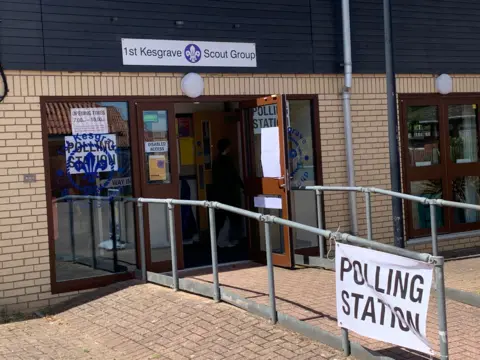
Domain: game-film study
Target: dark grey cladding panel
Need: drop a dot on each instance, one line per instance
(430, 36)
(302, 36)
(21, 43)
(85, 35)
(327, 36)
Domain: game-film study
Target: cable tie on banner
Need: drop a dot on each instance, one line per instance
(331, 243)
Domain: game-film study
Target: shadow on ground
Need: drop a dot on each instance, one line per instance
(8, 318)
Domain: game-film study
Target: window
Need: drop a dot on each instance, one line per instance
(440, 158)
(301, 168)
(89, 154)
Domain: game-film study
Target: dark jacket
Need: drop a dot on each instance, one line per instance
(227, 183)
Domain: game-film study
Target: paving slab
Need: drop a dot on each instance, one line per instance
(145, 321)
(309, 295)
(463, 275)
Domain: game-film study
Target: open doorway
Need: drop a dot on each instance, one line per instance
(200, 127)
(176, 144)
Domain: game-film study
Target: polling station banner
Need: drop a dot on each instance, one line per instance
(91, 154)
(383, 296)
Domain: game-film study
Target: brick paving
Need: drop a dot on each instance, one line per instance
(137, 321)
(463, 274)
(309, 295)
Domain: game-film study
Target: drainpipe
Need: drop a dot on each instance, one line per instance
(347, 63)
(396, 182)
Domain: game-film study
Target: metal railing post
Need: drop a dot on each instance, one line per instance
(92, 234)
(368, 209)
(173, 244)
(72, 230)
(114, 235)
(271, 280)
(321, 242)
(441, 307)
(143, 256)
(439, 286)
(433, 225)
(213, 240)
(346, 342)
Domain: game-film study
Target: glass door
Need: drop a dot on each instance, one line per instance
(159, 174)
(266, 175)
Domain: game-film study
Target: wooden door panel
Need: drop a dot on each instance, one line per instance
(256, 183)
(159, 174)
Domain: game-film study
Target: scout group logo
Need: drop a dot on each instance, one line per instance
(298, 157)
(89, 155)
(193, 53)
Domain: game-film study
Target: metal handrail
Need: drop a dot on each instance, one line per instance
(433, 203)
(423, 200)
(437, 261)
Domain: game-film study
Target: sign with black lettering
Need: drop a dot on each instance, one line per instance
(89, 120)
(264, 117)
(156, 146)
(383, 296)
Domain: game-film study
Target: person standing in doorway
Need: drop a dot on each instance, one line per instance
(227, 187)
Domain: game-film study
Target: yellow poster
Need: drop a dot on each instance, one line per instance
(157, 167)
(187, 151)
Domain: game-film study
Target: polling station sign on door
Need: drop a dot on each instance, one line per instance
(264, 117)
(383, 296)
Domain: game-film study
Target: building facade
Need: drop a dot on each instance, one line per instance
(60, 56)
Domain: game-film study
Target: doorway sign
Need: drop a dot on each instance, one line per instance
(188, 53)
(156, 146)
(264, 117)
(383, 296)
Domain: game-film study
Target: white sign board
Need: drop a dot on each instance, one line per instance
(188, 53)
(116, 182)
(270, 152)
(383, 296)
(89, 120)
(91, 154)
(156, 146)
(264, 117)
(267, 202)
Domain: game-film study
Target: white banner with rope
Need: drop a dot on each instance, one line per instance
(383, 296)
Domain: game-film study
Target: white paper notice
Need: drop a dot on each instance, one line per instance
(91, 154)
(89, 120)
(156, 146)
(267, 202)
(270, 152)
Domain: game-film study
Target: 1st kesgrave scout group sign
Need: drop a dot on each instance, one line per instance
(383, 296)
(188, 53)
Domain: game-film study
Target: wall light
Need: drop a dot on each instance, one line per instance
(444, 84)
(192, 85)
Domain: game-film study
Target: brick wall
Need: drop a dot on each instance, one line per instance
(24, 257)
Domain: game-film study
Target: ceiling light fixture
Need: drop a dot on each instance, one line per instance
(192, 85)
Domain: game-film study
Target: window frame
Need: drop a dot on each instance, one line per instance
(447, 170)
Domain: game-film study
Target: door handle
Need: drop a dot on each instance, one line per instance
(281, 182)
